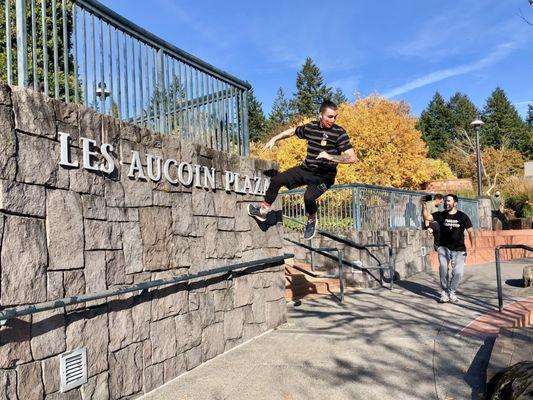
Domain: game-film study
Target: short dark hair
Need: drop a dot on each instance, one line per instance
(327, 104)
(454, 197)
(438, 196)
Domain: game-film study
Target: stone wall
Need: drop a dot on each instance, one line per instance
(69, 231)
(411, 253)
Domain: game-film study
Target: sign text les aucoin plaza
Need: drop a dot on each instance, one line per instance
(157, 168)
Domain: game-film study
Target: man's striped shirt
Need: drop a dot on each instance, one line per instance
(336, 142)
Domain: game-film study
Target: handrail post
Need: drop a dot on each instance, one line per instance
(356, 208)
(391, 210)
(499, 278)
(22, 43)
(312, 255)
(341, 274)
(160, 87)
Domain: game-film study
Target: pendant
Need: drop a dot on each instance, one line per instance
(323, 142)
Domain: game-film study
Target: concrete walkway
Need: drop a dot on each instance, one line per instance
(378, 344)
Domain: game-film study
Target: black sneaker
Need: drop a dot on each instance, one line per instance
(310, 229)
(255, 211)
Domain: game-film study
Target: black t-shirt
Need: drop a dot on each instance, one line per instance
(334, 141)
(452, 229)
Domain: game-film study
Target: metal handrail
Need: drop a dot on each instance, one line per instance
(498, 268)
(366, 247)
(147, 37)
(15, 312)
(326, 253)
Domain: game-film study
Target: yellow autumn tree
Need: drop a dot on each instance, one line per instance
(389, 148)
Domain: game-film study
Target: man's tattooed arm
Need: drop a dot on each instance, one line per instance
(346, 158)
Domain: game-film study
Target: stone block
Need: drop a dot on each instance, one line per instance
(89, 328)
(233, 323)
(173, 367)
(8, 382)
(156, 231)
(8, 144)
(94, 207)
(276, 313)
(70, 395)
(203, 202)
(74, 282)
(141, 316)
(51, 378)
(259, 306)
(212, 341)
(38, 162)
(163, 337)
(137, 193)
(133, 245)
(67, 118)
(180, 252)
(23, 244)
(226, 224)
(188, 331)
(114, 193)
(15, 342)
(169, 301)
(64, 222)
(102, 235)
(193, 357)
(225, 203)
(95, 273)
(130, 132)
(120, 323)
(125, 373)
(153, 377)
(116, 269)
(34, 112)
(48, 334)
(96, 388)
(5, 94)
(29, 381)
(55, 289)
(19, 198)
(223, 299)
(90, 124)
(83, 181)
(207, 308)
(243, 290)
(242, 219)
(182, 216)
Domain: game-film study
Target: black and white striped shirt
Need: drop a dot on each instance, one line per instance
(334, 141)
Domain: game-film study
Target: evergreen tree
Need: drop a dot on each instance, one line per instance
(503, 125)
(281, 111)
(311, 90)
(39, 47)
(338, 97)
(434, 124)
(529, 118)
(462, 113)
(256, 118)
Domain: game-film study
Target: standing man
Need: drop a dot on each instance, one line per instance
(326, 143)
(497, 208)
(452, 249)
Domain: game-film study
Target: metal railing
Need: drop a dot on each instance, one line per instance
(381, 266)
(16, 312)
(367, 207)
(498, 267)
(81, 51)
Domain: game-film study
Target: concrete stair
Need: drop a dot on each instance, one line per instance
(299, 285)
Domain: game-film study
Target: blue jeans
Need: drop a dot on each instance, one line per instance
(457, 260)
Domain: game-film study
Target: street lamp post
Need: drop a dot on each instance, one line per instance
(477, 123)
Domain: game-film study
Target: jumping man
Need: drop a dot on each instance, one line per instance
(326, 143)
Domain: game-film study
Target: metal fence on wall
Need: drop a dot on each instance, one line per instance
(367, 207)
(81, 51)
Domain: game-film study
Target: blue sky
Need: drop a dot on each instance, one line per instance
(399, 49)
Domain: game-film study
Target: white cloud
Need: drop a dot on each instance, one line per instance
(498, 54)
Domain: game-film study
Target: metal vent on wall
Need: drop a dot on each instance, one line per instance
(73, 369)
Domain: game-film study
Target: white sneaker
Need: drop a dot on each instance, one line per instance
(444, 298)
(453, 297)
